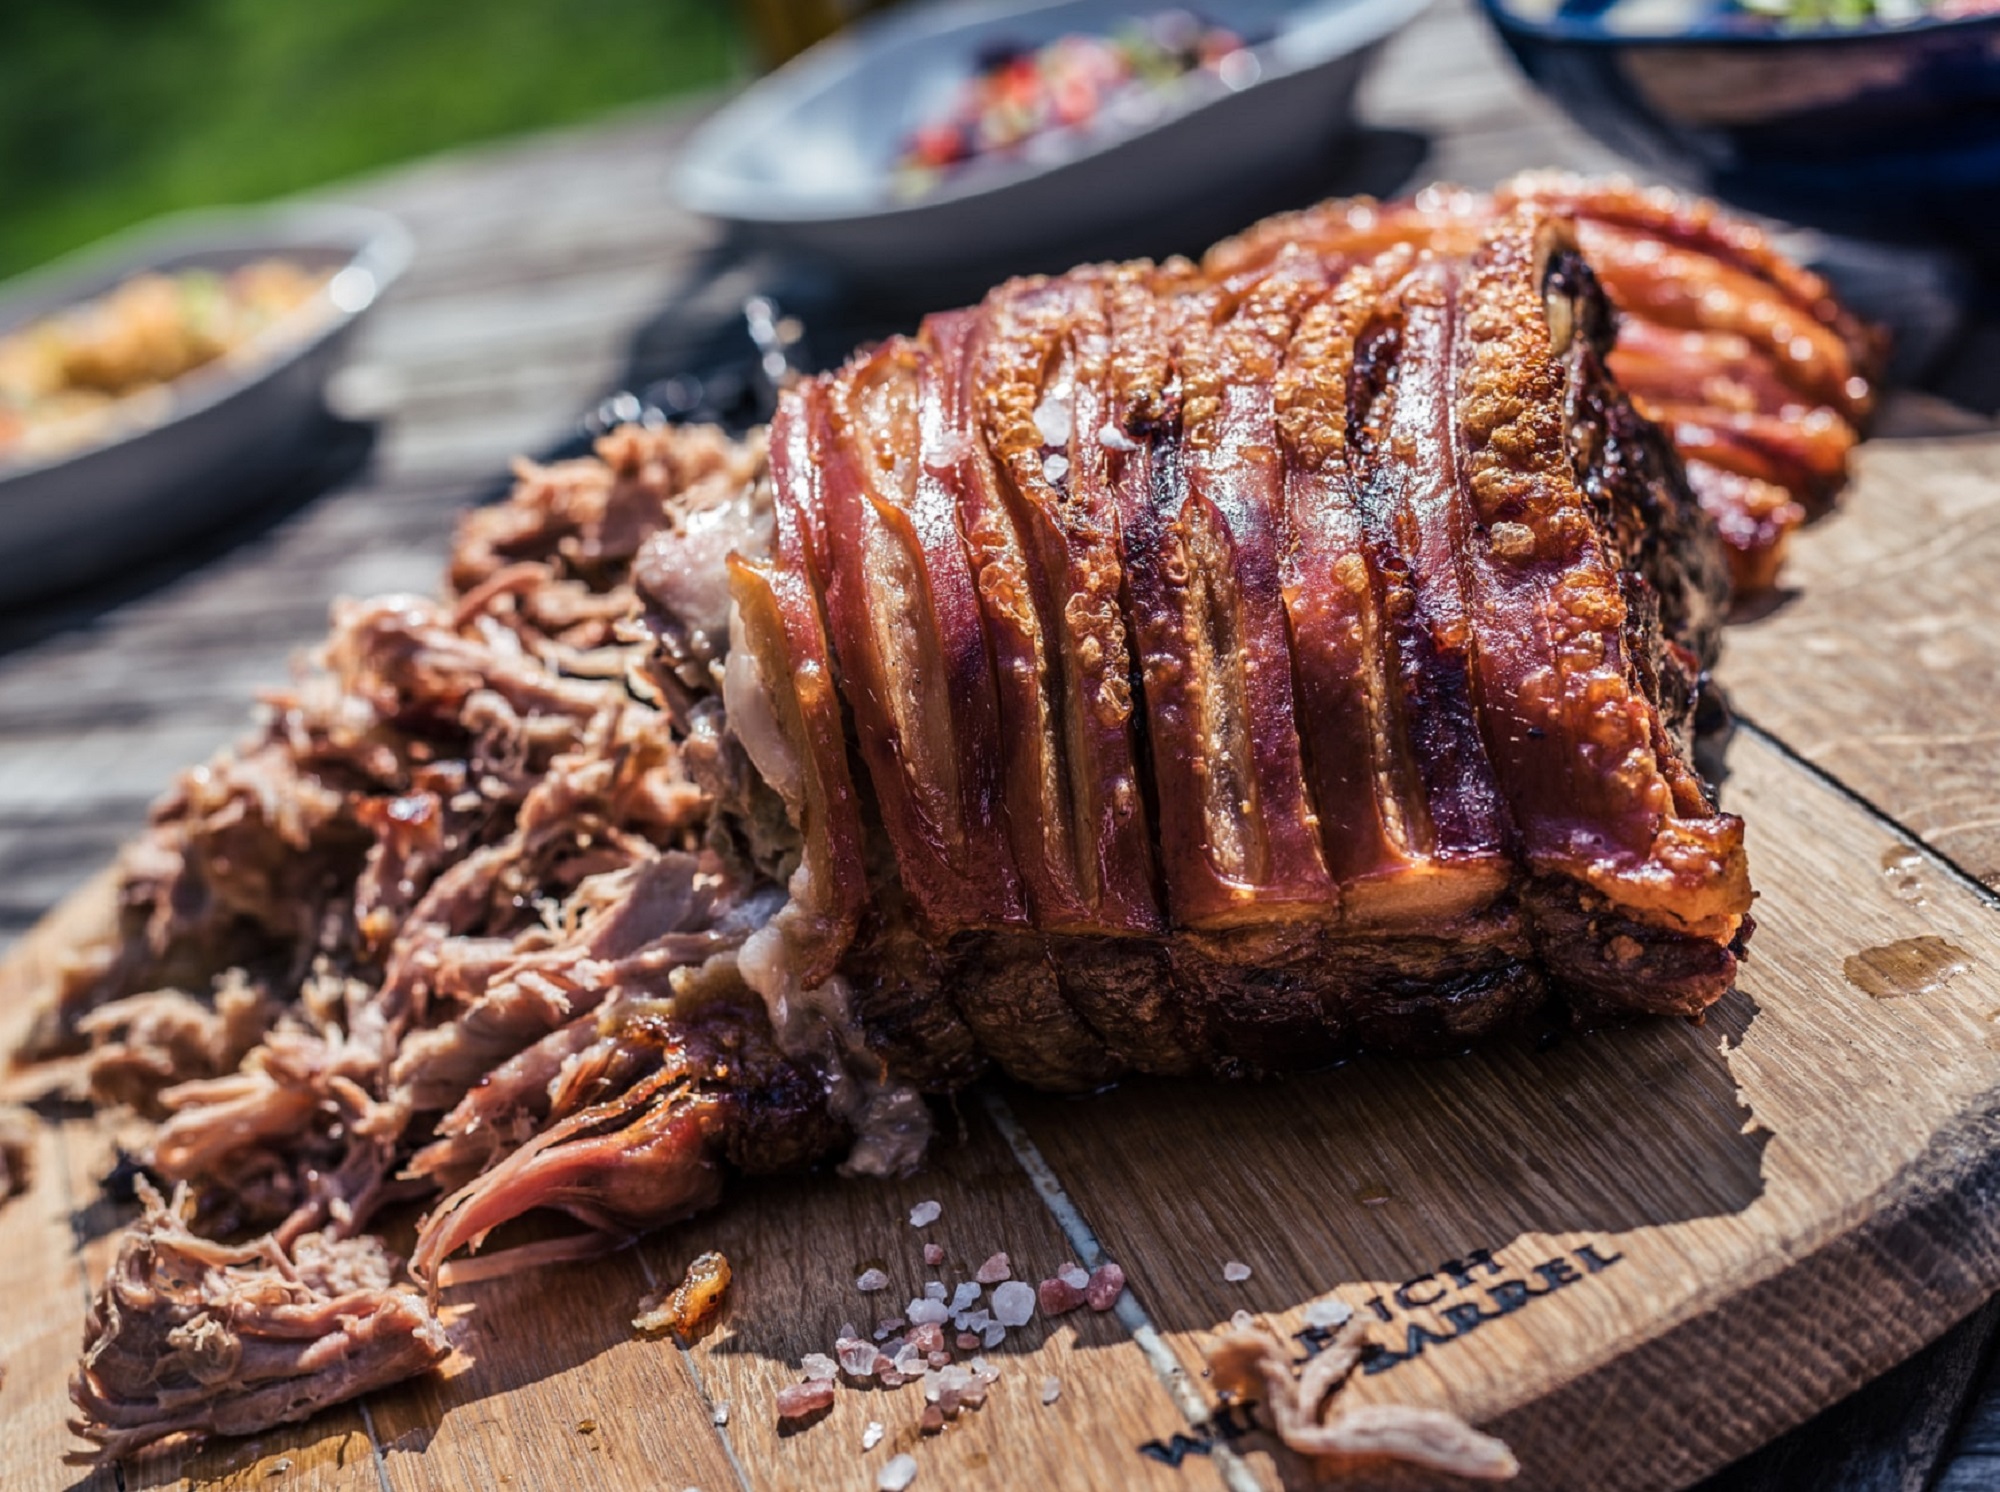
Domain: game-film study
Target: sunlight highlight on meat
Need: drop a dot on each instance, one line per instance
(1152, 669)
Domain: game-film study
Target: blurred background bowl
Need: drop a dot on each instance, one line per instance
(227, 433)
(804, 160)
(1890, 132)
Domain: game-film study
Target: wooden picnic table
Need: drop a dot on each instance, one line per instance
(538, 261)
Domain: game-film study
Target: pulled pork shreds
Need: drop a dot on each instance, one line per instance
(456, 923)
(1251, 1362)
(684, 1309)
(193, 1334)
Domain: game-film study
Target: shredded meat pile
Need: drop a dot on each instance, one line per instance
(1159, 668)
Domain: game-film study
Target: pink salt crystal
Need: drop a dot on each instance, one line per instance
(1013, 1303)
(871, 1280)
(802, 1399)
(994, 1270)
(1074, 1276)
(887, 1327)
(1059, 1296)
(819, 1367)
(933, 1254)
(1106, 1285)
(858, 1358)
(924, 1214)
(928, 1338)
(1235, 1271)
(967, 1341)
(938, 1359)
(932, 1421)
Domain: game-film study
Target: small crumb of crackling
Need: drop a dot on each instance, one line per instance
(686, 1308)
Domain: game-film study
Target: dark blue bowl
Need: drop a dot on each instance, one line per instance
(1889, 132)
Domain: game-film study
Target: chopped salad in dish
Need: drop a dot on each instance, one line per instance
(1021, 98)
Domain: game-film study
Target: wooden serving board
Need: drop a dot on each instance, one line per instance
(1634, 1255)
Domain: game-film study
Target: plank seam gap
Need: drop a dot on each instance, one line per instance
(1236, 1472)
(1986, 894)
(375, 1448)
(700, 1383)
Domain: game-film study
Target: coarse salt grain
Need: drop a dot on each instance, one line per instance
(994, 1270)
(1051, 1390)
(871, 1280)
(933, 1254)
(1058, 1297)
(934, 1290)
(887, 1327)
(993, 1336)
(963, 1297)
(1242, 1321)
(1055, 468)
(858, 1358)
(898, 1474)
(1113, 439)
(1013, 1303)
(721, 1414)
(1329, 1312)
(1107, 1283)
(967, 1341)
(1074, 1276)
(1236, 1271)
(925, 1213)
(872, 1435)
(1052, 419)
(802, 1399)
(818, 1367)
(927, 1310)
(950, 450)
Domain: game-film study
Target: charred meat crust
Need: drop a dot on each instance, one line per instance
(1154, 669)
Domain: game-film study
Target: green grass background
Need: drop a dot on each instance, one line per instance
(114, 110)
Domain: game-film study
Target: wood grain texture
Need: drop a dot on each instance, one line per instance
(537, 261)
(1778, 1204)
(1881, 664)
(798, 1246)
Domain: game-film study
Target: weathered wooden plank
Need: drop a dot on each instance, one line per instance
(798, 1245)
(1732, 1225)
(557, 1391)
(1880, 663)
(42, 1280)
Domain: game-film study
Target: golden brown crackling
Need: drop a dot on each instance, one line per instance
(1551, 636)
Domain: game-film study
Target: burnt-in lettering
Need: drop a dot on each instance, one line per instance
(1558, 1272)
(1406, 1296)
(1511, 1295)
(1381, 1311)
(1466, 1316)
(1173, 1452)
(1375, 1358)
(1314, 1339)
(1230, 1421)
(1594, 1261)
(1460, 1270)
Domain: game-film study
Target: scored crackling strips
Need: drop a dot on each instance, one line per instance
(1158, 668)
